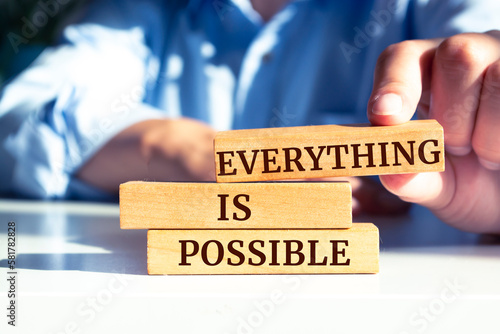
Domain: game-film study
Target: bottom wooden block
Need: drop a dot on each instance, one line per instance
(319, 251)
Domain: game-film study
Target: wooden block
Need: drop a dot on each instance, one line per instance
(198, 252)
(162, 205)
(328, 150)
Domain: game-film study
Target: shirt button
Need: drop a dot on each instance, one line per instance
(267, 57)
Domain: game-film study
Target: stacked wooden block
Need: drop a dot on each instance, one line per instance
(239, 227)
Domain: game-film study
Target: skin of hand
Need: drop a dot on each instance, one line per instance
(156, 150)
(457, 82)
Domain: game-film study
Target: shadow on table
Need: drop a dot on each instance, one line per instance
(80, 242)
(105, 263)
(420, 228)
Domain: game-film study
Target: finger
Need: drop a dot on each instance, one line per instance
(433, 190)
(401, 73)
(486, 139)
(457, 78)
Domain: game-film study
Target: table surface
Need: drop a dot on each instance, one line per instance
(79, 273)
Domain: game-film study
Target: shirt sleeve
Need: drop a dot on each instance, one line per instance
(77, 96)
(443, 18)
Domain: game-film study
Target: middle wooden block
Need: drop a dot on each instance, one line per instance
(268, 205)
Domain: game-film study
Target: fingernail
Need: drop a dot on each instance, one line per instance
(388, 104)
(458, 150)
(489, 164)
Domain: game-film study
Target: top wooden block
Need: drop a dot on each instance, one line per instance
(328, 150)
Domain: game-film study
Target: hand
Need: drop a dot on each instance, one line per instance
(457, 82)
(180, 150)
(159, 150)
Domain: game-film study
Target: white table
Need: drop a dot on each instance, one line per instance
(79, 273)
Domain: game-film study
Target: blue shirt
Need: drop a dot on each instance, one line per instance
(215, 60)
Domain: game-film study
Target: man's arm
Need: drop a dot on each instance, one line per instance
(80, 94)
(159, 150)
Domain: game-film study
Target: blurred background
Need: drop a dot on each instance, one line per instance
(27, 27)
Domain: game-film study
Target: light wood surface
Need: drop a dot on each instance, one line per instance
(165, 205)
(193, 252)
(80, 273)
(328, 150)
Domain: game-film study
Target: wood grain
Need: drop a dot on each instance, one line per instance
(164, 205)
(194, 252)
(328, 150)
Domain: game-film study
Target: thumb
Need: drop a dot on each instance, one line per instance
(401, 74)
(433, 190)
